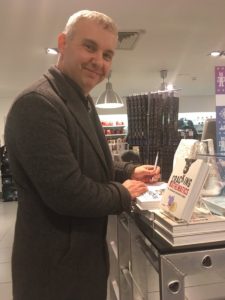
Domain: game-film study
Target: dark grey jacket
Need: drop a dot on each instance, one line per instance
(65, 178)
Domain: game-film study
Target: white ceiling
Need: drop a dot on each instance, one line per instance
(178, 36)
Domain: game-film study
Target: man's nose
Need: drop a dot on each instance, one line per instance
(98, 58)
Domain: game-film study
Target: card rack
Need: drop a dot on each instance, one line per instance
(153, 126)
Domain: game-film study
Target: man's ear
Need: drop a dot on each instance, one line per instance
(61, 42)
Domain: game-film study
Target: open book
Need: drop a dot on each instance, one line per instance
(184, 187)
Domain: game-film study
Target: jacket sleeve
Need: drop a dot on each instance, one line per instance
(44, 165)
(123, 170)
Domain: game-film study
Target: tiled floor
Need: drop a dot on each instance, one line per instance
(7, 222)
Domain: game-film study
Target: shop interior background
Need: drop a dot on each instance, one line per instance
(175, 35)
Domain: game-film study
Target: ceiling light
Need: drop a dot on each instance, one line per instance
(164, 87)
(52, 51)
(217, 53)
(109, 98)
(170, 87)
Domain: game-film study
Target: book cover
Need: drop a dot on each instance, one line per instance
(187, 148)
(197, 224)
(184, 187)
(189, 239)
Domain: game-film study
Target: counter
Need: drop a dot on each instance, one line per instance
(145, 266)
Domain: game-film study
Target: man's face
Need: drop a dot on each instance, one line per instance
(87, 57)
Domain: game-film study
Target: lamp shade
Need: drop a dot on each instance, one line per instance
(109, 98)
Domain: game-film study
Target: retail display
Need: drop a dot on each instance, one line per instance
(114, 130)
(153, 126)
(115, 135)
(187, 130)
(9, 191)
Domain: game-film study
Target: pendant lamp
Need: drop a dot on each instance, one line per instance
(109, 98)
(164, 87)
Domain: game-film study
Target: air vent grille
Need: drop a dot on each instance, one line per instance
(128, 39)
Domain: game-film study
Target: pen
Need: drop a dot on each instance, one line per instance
(156, 160)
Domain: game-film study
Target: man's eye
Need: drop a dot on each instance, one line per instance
(90, 47)
(108, 56)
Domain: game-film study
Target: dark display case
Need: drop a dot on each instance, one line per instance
(9, 191)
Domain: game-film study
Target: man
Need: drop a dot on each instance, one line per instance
(66, 180)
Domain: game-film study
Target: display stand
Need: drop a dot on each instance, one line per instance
(9, 192)
(145, 266)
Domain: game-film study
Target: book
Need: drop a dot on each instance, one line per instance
(215, 204)
(189, 239)
(151, 199)
(184, 187)
(187, 148)
(199, 223)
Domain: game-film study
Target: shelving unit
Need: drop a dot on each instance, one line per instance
(8, 189)
(114, 132)
(115, 136)
(114, 127)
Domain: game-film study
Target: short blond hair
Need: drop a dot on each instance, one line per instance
(98, 17)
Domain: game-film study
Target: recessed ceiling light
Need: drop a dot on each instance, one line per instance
(52, 51)
(216, 53)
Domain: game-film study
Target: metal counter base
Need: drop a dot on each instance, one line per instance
(146, 268)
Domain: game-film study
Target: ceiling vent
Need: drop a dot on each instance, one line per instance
(128, 39)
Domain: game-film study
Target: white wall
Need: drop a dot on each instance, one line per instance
(5, 104)
(197, 104)
(186, 104)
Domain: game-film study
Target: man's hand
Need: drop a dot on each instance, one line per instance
(146, 173)
(135, 187)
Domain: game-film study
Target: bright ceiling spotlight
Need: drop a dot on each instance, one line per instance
(216, 53)
(52, 51)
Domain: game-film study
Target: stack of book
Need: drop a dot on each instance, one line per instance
(201, 228)
(185, 217)
(152, 198)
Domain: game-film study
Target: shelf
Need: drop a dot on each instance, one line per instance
(114, 131)
(113, 127)
(115, 135)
